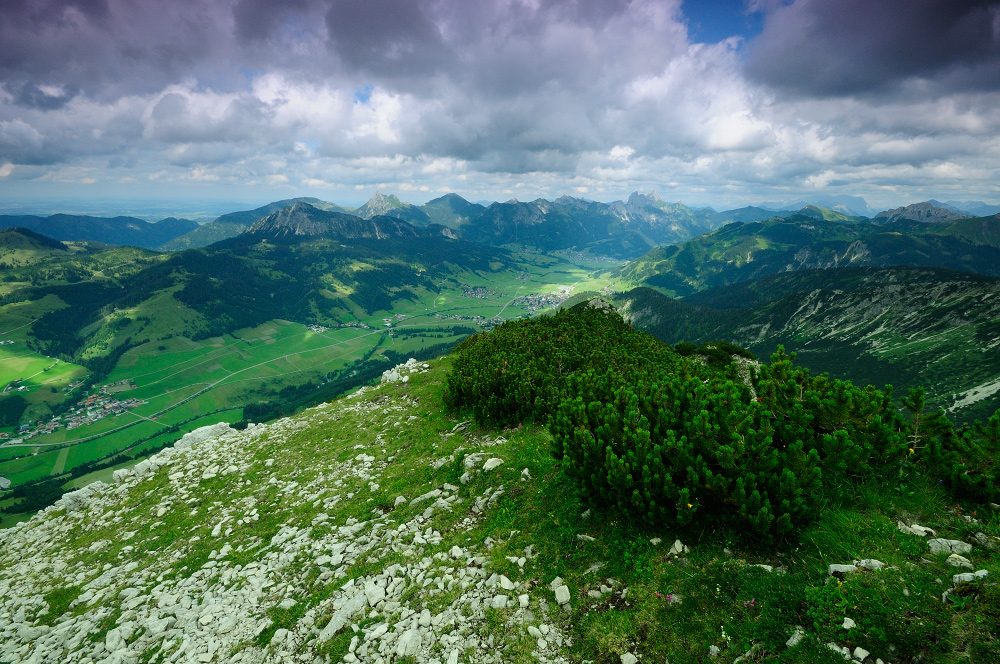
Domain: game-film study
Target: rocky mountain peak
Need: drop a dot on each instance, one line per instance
(925, 212)
(379, 204)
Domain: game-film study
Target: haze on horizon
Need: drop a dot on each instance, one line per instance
(727, 103)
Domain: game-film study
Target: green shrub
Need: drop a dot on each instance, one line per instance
(666, 440)
(966, 459)
(516, 372)
(670, 450)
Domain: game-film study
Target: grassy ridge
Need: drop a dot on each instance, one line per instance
(742, 252)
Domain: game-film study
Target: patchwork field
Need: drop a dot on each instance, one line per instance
(184, 383)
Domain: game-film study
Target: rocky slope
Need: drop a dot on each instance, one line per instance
(303, 220)
(255, 545)
(378, 529)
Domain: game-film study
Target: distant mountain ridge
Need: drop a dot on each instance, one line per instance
(619, 229)
(622, 229)
(234, 223)
(303, 220)
(123, 231)
(975, 208)
(925, 212)
(849, 205)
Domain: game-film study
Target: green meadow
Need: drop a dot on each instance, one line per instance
(183, 382)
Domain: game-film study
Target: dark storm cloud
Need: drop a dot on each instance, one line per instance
(843, 47)
(109, 48)
(386, 36)
(26, 93)
(260, 19)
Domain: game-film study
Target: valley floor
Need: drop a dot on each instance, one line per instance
(174, 381)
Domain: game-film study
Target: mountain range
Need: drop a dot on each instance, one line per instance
(619, 229)
(109, 230)
(403, 524)
(750, 281)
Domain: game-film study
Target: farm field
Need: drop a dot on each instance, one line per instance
(34, 371)
(178, 381)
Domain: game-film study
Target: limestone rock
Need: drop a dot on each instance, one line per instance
(956, 560)
(201, 434)
(491, 464)
(968, 577)
(841, 569)
(948, 546)
(796, 637)
(915, 529)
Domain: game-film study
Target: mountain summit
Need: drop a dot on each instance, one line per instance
(390, 206)
(924, 212)
(379, 204)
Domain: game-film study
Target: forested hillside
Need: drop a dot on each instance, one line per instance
(901, 325)
(742, 252)
(110, 230)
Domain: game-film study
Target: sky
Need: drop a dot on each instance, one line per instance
(719, 102)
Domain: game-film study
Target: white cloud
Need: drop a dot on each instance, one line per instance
(540, 98)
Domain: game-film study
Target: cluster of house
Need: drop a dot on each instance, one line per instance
(480, 292)
(590, 258)
(318, 329)
(535, 303)
(117, 386)
(485, 323)
(358, 324)
(387, 322)
(93, 408)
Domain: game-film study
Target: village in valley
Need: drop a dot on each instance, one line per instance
(100, 404)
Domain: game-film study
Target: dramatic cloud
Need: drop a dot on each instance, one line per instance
(895, 100)
(838, 47)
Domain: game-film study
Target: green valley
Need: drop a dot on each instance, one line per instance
(185, 355)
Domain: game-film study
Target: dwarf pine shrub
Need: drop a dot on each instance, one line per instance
(666, 439)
